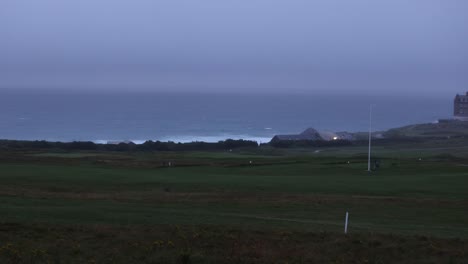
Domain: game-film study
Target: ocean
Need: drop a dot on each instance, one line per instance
(138, 117)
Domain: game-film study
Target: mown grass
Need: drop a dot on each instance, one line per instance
(252, 193)
(321, 176)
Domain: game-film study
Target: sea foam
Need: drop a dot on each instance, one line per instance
(188, 139)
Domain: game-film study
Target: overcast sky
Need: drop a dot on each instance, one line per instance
(300, 46)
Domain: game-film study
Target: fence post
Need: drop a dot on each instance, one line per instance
(346, 223)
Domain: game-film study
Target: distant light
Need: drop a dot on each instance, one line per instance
(335, 138)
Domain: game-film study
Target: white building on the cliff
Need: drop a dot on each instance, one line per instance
(460, 107)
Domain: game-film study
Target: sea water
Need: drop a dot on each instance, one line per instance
(186, 117)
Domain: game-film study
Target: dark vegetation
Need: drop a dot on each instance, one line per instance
(212, 244)
(147, 146)
(309, 143)
(228, 144)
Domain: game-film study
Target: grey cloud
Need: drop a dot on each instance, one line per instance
(257, 45)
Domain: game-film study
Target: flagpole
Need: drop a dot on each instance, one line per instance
(370, 139)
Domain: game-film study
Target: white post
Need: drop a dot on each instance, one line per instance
(370, 139)
(346, 223)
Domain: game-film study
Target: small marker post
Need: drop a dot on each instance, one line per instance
(346, 223)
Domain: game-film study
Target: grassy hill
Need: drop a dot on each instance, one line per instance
(434, 130)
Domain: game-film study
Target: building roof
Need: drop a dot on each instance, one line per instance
(461, 96)
(345, 136)
(308, 134)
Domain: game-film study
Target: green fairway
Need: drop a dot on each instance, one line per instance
(267, 190)
(302, 191)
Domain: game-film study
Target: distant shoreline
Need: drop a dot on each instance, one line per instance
(180, 139)
(446, 127)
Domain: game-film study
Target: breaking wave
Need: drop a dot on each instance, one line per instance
(187, 139)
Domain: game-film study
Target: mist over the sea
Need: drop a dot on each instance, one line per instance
(186, 117)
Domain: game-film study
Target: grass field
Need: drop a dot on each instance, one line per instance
(254, 206)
